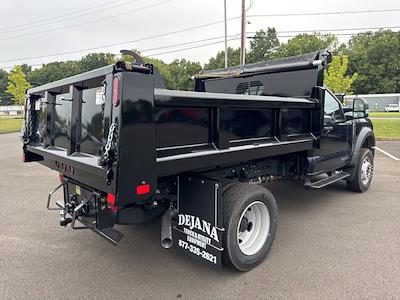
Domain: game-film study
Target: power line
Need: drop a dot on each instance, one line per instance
(120, 43)
(188, 43)
(326, 13)
(202, 45)
(187, 29)
(259, 15)
(339, 29)
(237, 38)
(57, 17)
(67, 17)
(84, 23)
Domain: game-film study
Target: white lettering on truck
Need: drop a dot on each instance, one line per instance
(196, 222)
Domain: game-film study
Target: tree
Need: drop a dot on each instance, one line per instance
(95, 60)
(262, 46)
(375, 56)
(163, 68)
(305, 43)
(53, 71)
(4, 97)
(17, 85)
(218, 62)
(26, 69)
(335, 77)
(181, 72)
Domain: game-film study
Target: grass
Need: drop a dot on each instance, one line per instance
(9, 124)
(384, 114)
(387, 129)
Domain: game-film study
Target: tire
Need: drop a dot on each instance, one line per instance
(363, 174)
(250, 213)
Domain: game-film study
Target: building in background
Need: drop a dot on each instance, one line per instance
(377, 102)
(11, 110)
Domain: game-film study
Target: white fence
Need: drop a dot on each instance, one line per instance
(11, 110)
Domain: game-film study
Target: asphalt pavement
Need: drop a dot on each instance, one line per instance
(330, 244)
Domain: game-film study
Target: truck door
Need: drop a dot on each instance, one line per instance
(335, 146)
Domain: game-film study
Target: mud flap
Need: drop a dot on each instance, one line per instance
(199, 231)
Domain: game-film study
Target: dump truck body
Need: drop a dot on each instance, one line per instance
(128, 150)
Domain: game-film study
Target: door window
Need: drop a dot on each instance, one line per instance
(332, 108)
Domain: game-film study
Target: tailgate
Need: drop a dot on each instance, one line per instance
(84, 126)
(67, 124)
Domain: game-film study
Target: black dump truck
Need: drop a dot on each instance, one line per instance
(129, 151)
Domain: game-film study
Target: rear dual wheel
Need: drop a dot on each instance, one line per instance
(250, 221)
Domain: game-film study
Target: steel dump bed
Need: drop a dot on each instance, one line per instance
(114, 128)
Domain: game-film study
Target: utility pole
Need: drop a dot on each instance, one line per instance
(226, 36)
(243, 35)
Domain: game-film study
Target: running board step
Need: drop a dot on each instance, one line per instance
(326, 181)
(111, 235)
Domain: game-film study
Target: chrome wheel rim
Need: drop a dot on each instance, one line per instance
(367, 171)
(253, 228)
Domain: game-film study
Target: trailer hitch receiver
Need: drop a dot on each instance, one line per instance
(88, 210)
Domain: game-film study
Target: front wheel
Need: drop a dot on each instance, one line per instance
(250, 221)
(364, 171)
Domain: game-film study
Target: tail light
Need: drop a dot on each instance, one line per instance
(111, 199)
(62, 179)
(116, 91)
(111, 202)
(143, 189)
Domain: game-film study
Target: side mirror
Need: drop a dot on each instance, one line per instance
(360, 108)
(327, 120)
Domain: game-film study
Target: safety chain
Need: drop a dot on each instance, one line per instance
(27, 127)
(110, 152)
(110, 140)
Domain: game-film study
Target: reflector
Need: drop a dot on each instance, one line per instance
(143, 189)
(111, 199)
(116, 91)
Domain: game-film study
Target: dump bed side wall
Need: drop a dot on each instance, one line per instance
(202, 130)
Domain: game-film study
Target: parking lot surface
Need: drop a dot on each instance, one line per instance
(330, 244)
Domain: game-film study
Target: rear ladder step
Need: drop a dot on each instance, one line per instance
(326, 181)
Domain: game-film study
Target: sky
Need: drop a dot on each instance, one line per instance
(42, 28)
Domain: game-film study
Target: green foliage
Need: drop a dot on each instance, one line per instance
(95, 60)
(386, 128)
(335, 77)
(58, 70)
(218, 62)
(163, 68)
(4, 97)
(305, 43)
(10, 124)
(375, 56)
(17, 85)
(26, 69)
(262, 46)
(53, 71)
(181, 72)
